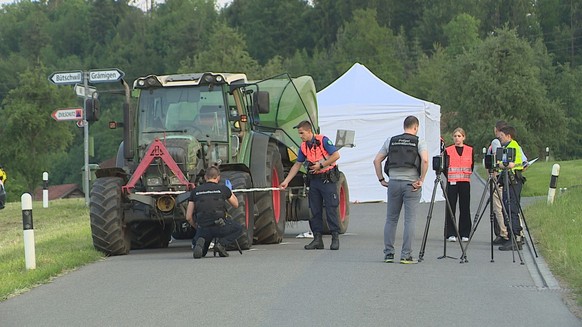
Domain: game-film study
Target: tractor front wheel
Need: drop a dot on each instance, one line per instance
(110, 233)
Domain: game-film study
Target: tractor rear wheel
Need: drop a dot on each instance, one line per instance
(244, 214)
(343, 209)
(270, 224)
(109, 231)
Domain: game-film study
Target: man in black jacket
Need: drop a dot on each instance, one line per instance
(207, 213)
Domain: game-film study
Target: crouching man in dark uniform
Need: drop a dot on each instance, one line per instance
(207, 213)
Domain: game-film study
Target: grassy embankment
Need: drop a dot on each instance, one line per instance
(557, 227)
(63, 242)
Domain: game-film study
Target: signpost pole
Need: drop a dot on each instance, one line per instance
(86, 140)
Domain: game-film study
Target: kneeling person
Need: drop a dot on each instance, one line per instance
(207, 213)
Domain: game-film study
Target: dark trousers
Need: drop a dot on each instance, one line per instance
(320, 193)
(512, 199)
(461, 191)
(226, 234)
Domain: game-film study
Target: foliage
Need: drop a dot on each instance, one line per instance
(500, 79)
(30, 135)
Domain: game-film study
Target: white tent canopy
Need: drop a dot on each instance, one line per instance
(360, 101)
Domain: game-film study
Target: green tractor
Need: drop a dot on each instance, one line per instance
(180, 125)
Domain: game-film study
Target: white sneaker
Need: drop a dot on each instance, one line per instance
(465, 239)
(305, 235)
(452, 239)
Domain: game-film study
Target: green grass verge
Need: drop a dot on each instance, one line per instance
(538, 176)
(63, 242)
(557, 229)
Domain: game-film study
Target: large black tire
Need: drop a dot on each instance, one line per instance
(270, 224)
(343, 209)
(244, 214)
(151, 234)
(110, 233)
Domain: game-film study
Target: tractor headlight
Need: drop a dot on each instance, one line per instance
(154, 181)
(174, 180)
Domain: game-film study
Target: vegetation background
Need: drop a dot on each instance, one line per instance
(481, 60)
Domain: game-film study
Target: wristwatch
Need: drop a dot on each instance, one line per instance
(320, 165)
(381, 179)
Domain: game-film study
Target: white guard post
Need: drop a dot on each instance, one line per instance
(29, 252)
(553, 183)
(45, 190)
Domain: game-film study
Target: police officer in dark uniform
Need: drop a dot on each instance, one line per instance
(320, 155)
(208, 202)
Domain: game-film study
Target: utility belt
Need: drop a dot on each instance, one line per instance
(514, 176)
(330, 176)
(216, 223)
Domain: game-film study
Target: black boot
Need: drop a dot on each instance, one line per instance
(334, 241)
(220, 249)
(317, 242)
(509, 246)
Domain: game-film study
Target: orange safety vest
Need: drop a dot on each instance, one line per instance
(459, 166)
(316, 153)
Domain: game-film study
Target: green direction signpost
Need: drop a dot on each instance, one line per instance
(76, 78)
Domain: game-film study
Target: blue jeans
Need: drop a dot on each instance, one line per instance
(400, 193)
(227, 234)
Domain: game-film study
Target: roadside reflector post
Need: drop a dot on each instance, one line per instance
(28, 228)
(553, 183)
(45, 190)
(547, 153)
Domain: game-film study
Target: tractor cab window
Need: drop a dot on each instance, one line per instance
(193, 111)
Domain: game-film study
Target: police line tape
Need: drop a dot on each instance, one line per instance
(265, 189)
(242, 190)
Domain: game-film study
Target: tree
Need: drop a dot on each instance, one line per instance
(501, 79)
(32, 140)
(226, 52)
(462, 34)
(271, 27)
(363, 40)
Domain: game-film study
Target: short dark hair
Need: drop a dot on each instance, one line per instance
(305, 125)
(499, 124)
(410, 122)
(212, 173)
(509, 130)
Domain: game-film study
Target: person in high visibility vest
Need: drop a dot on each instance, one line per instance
(513, 170)
(319, 155)
(461, 163)
(2, 190)
(3, 175)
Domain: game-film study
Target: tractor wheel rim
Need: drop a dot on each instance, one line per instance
(276, 195)
(342, 204)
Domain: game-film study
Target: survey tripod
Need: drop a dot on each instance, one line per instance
(438, 181)
(506, 178)
(491, 189)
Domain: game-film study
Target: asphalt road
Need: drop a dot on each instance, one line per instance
(284, 285)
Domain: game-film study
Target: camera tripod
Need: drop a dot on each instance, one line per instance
(438, 181)
(491, 189)
(506, 210)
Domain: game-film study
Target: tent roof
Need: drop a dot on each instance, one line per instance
(361, 81)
